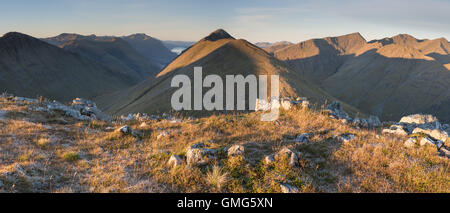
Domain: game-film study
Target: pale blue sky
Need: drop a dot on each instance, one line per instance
(254, 20)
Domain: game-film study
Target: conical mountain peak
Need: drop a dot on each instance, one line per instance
(218, 35)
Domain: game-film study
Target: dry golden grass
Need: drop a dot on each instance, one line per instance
(39, 155)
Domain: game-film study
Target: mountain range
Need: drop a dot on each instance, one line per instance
(220, 54)
(390, 77)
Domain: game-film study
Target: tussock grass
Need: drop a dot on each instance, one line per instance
(85, 157)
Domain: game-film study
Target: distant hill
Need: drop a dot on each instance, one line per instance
(152, 48)
(112, 52)
(218, 53)
(30, 67)
(390, 77)
(272, 47)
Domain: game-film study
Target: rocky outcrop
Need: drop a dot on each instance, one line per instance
(396, 130)
(80, 109)
(423, 130)
(335, 111)
(235, 150)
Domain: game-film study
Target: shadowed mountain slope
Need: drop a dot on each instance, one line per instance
(390, 77)
(151, 48)
(113, 52)
(30, 67)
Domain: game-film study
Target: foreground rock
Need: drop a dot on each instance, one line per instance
(424, 130)
(199, 156)
(345, 138)
(436, 134)
(80, 109)
(303, 138)
(235, 150)
(396, 130)
(289, 154)
(287, 188)
(174, 161)
(127, 130)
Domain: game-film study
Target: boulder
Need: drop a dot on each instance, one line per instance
(336, 111)
(345, 138)
(236, 150)
(427, 142)
(199, 156)
(286, 104)
(287, 188)
(174, 161)
(411, 142)
(436, 134)
(89, 108)
(303, 138)
(396, 130)
(292, 156)
(125, 130)
(418, 119)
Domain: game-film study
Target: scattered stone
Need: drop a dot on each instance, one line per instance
(411, 142)
(175, 161)
(286, 104)
(126, 130)
(292, 156)
(336, 111)
(345, 138)
(268, 159)
(303, 138)
(199, 156)
(236, 150)
(396, 130)
(306, 104)
(287, 188)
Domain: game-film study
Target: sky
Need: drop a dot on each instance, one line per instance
(253, 20)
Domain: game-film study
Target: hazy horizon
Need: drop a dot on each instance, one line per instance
(255, 21)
